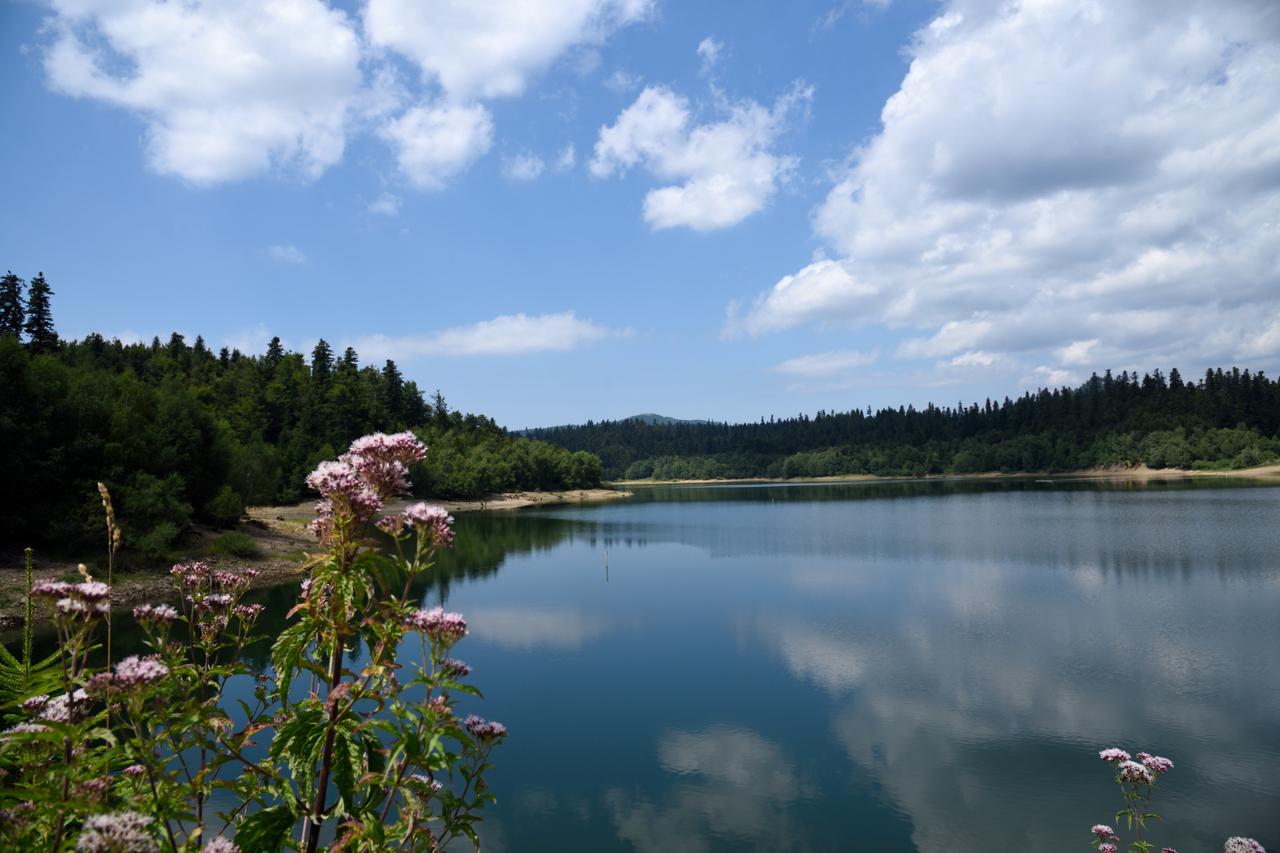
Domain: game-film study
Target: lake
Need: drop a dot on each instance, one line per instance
(875, 666)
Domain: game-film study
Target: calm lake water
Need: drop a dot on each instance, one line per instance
(885, 667)
(926, 666)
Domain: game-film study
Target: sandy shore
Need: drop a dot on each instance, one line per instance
(280, 534)
(1140, 472)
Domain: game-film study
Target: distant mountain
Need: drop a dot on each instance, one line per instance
(648, 418)
(652, 420)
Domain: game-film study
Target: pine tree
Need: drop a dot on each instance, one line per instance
(275, 352)
(11, 310)
(322, 362)
(393, 391)
(41, 336)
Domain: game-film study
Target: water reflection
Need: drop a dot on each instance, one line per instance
(886, 667)
(820, 672)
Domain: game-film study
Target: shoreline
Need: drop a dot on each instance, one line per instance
(1140, 472)
(278, 531)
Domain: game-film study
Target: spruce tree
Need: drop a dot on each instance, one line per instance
(322, 362)
(275, 352)
(11, 311)
(41, 336)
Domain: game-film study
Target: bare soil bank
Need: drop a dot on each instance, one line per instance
(278, 531)
(1141, 472)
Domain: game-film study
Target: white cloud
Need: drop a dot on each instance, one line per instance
(567, 158)
(387, 204)
(826, 363)
(490, 48)
(436, 141)
(534, 627)
(512, 334)
(709, 50)
(523, 167)
(623, 81)
(227, 90)
(726, 169)
(1066, 187)
(955, 335)
(823, 286)
(287, 253)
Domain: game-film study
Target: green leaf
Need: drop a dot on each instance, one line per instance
(287, 651)
(265, 831)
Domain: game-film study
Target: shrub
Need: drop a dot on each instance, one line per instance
(226, 507)
(233, 543)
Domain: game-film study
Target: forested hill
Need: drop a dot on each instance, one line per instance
(180, 432)
(1227, 419)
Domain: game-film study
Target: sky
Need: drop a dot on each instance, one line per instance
(586, 209)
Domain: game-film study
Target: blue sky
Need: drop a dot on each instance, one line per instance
(591, 208)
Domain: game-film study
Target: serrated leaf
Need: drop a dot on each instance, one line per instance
(265, 831)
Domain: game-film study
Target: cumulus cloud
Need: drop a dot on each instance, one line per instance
(1065, 187)
(525, 166)
(227, 90)
(491, 48)
(511, 334)
(725, 169)
(233, 89)
(436, 141)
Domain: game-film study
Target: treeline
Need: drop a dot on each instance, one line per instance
(1226, 419)
(180, 432)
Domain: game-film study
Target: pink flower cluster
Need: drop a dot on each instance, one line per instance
(1102, 831)
(248, 612)
(447, 628)
(455, 668)
(221, 845)
(66, 708)
(1157, 764)
(431, 521)
(155, 614)
(383, 461)
(192, 575)
(1239, 844)
(1134, 773)
(120, 832)
(133, 671)
(79, 600)
(484, 730)
(1106, 847)
(353, 487)
(1113, 755)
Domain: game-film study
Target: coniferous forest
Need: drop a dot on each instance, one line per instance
(182, 433)
(1226, 419)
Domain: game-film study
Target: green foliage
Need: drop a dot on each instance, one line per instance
(39, 316)
(12, 312)
(226, 507)
(233, 543)
(1228, 419)
(180, 434)
(133, 754)
(25, 676)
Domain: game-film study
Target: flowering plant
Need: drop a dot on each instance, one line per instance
(132, 755)
(1137, 777)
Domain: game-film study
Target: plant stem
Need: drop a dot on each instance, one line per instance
(326, 761)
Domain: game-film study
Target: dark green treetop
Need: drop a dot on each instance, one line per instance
(11, 310)
(41, 336)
